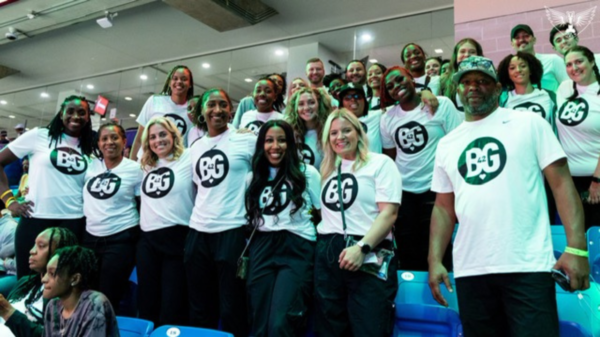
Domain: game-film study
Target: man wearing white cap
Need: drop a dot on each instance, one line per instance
(488, 176)
(20, 129)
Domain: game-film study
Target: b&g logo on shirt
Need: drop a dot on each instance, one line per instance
(212, 168)
(330, 196)
(532, 107)
(254, 126)
(573, 112)
(104, 186)
(411, 137)
(274, 202)
(179, 123)
(68, 161)
(158, 183)
(482, 160)
(307, 155)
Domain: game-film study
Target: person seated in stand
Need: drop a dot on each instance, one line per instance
(8, 266)
(73, 309)
(23, 310)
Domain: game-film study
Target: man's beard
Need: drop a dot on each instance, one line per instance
(489, 105)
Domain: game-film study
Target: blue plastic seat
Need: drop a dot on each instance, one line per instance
(186, 331)
(134, 327)
(581, 308)
(572, 329)
(593, 236)
(417, 312)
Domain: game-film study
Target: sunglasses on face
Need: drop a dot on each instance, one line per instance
(352, 96)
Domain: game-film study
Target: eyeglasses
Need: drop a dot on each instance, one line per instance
(352, 96)
(566, 37)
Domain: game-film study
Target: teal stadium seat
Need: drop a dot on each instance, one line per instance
(134, 327)
(186, 331)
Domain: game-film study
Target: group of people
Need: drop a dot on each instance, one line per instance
(310, 199)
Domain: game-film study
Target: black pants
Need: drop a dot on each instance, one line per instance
(29, 228)
(280, 279)
(591, 212)
(162, 286)
(215, 292)
(411, 231)
(515, 304)
(116, 259)
(351, 303)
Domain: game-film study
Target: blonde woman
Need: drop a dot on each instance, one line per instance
(352, 302)
(307, 112)
(167, 196)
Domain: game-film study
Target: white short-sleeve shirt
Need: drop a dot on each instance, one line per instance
(538, 101)
(56, 174)
(415, 135)
(310, 152)
(167, 194)
(254, 120)
(163, 106)
(377, 181)
(220, 166)
(555, 71)
(109, 197)
(370, 124)
(433, 85)
(494, 168)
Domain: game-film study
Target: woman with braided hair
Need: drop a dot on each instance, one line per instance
(58, 155)
(73, 309)
(23, 311)
(578, 125)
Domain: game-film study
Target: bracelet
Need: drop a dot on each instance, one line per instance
(10, 201)
(5, 193)
(578, 252)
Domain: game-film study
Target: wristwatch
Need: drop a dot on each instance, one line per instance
(595, 179)
(364, 248)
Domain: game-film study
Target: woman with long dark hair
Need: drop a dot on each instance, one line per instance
(23, 311)
(281, 200)
(360, 194)
(521, 78)
(221, 161)
(462, 50)
(410, 135)
(374, 75)
(171, 103)
(73, 308)
(110, 199)
(307, 111)
(578, 125)
(265, 94)
(167, 195)
(59, 155)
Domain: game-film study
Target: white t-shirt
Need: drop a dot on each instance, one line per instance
(161, 105)
(494, 168)
(167, 194)
(254, 120)
(377, 181)
(538, 101)
(220, 165)
(276, 212)
(578, 125)
(194, 134)
(38, 305)
(555, 71)
(109, 197)
(434, 84)
(310, 152)
(56, 174)
(374, 103)
(370, 124)
(415, 135)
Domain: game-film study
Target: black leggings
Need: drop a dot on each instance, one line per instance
(29, 228)
(116, 259)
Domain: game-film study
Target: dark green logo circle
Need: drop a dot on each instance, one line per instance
(531, 106)
(573, 112)
(482, 160)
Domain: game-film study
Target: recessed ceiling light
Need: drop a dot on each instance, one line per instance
(131, 115)
(279, 52)
(127, 98)
(3, 102)
(103, 118)
(44, 95)
(248, 80)
(205, 65)
(438, 51)
(90, 86)
(143, 77)
(11, 116)
(366, 37)
(373, 60)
